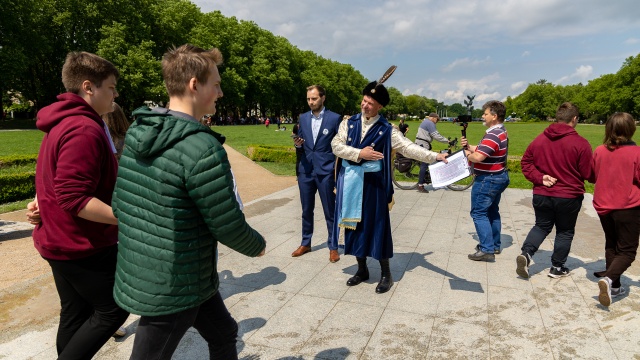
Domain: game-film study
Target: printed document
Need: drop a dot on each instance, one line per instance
(456, 169)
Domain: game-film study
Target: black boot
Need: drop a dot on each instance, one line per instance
(385, 277)
(361, 275)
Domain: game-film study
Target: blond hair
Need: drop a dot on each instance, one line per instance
(180, 65)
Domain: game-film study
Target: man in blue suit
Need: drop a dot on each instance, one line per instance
(315, 168)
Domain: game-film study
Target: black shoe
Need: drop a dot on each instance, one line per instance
(357, 279)
(600, 274)
(361, 275)
(523, 262)
(385, 284)
(482, 256)
(385, 277)
(558, 273)
(495, 251)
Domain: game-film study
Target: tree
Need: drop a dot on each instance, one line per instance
(397, 104)
(457, 109)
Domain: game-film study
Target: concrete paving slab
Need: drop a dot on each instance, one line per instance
(442, 305)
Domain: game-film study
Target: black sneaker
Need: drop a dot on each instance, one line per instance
(558, 273)
(523, 262)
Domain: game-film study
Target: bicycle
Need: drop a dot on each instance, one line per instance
(410, 168)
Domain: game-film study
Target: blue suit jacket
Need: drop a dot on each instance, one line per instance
(318, 157)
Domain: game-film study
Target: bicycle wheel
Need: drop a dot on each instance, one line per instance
(406, 180)
(463, 184)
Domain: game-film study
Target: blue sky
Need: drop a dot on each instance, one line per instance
(450, 49)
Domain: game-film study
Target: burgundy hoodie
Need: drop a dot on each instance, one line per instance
(75, 164)
(560, 152)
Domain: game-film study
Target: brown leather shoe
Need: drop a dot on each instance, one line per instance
(334, 256)
(301, 251)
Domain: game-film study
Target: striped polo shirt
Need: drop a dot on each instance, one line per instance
(494, 147)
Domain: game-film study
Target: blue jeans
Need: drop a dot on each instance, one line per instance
(485, 197)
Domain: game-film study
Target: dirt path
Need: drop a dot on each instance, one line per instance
(28, 299)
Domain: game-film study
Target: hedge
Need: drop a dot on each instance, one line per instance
(287, 154)
(13, 160)
(17, 187)
(272, 153)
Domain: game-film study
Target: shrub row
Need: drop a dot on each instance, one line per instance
(272, 153)
(17, 186)
(287, 154)
(16, 160)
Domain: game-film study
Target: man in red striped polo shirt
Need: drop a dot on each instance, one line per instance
(490, 158)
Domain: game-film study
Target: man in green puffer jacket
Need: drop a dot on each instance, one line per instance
(174, 201)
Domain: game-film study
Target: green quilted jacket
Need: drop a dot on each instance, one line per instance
(174, 202)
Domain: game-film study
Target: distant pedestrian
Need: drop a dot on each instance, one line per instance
(266, 123)
(617, 201)
(427, 133)
(403, 127)
(557, 162)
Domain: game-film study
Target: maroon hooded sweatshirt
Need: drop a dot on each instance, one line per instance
(75, 164)
(560, 152)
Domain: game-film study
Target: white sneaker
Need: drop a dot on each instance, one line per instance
(605, 291)
(615, 292)
(522, 265)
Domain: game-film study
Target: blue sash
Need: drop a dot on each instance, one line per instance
(350, 213)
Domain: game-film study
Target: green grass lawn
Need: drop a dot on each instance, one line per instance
(520, 134)
(24, 142)
(20, 142)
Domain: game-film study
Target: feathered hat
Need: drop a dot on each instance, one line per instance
(376, 90)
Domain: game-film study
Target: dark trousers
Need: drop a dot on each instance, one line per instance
(621, 232)
(157, 337)
(88, 315)
(422, 175)
(553, 211)
(309, 185)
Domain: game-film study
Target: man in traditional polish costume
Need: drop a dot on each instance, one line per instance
(364, 191)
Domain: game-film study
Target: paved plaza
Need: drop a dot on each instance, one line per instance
(442, 305)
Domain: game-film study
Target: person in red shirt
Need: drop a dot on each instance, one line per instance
(76, 232)
(490, 158)
(557, 162)
(616, 199)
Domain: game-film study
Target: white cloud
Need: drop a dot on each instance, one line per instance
(532, 40)
(518, 85)
(582, 73)
(466, 62)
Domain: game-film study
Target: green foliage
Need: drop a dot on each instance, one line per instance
(17, 186)
(597, 100)
(17, 160)
(272, 153)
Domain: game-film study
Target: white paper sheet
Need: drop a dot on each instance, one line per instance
(456, 169)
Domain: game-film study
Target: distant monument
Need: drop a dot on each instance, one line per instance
(469, 104)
